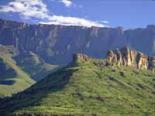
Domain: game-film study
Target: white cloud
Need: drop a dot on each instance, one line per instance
(104, 21)
(67, 3)
(71, 21)
(27, 8)
(38, 9)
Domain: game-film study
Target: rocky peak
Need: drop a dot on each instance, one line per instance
(80, 57)
(129, 57)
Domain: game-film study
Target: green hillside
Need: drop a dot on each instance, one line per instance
(34, 65)
(11, 84)
(87, 89)
(18, 72)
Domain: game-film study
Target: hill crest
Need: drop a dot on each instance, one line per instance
(125, 56)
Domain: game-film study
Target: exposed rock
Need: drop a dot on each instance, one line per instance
(7, 49)
(142, 61)
(129, 57)
(122, 57)
(80, 57)
(151, 63)
(55, 44)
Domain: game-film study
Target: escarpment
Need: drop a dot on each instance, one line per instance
(129, 57)
(55, 44)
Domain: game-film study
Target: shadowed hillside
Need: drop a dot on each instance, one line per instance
(19, 72)
(88, 87)
(12, 78)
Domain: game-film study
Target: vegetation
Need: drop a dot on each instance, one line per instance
(36, 67)
(18, 72)
(12, 84)
(87, 89)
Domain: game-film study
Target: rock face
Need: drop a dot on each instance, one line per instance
(129, 57)
(7, 50)
(55, 43)
(80, 57)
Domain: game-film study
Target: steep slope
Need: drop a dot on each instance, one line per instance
(12, 78)
(18, 72)
(35, 66)
(88, 87)
(56, 43)
(142, 39)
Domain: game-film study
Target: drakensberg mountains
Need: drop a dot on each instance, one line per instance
(56, 43)
(36, 50)
(122, 84)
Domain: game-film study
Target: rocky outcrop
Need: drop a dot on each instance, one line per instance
(7, 49)
(129, 57)
(80, 57)
(151, 64)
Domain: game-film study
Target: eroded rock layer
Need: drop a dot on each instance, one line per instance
(129, 57)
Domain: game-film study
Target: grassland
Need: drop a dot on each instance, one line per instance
(88, 89)
(21, 80)
(18, 72)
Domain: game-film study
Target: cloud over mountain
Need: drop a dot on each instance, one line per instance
(26, 8)
(38, 9)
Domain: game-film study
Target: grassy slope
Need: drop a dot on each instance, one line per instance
(27, 68)
(36, 67)
(89, 89)
(22, 80)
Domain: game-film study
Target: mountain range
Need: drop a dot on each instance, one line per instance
(89, 87)
(33, 55)
(56, 43)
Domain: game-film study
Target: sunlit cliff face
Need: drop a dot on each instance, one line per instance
(129, 57)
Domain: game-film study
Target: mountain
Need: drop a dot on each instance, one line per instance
(56, 44)
(35, 66)
(41, 49)
(20, 72)
(88, 87)
(12, 78)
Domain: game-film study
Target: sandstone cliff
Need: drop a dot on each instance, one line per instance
(129, 57)
(55, 44)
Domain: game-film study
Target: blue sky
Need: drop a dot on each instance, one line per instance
(126, 13)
